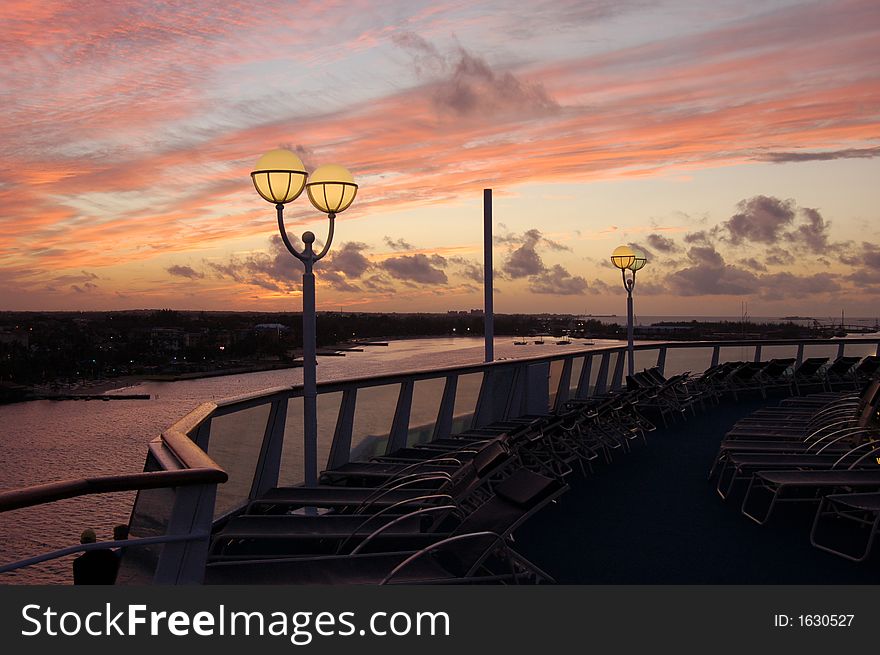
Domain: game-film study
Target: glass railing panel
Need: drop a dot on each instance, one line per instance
(577, 367)
(683, 360)
(235, 443)
(643, 359)
(149, 518)
(467, 392)
(373, 416)
(427, 395)
(553, 381)
(736, 354)
(292, 472)
(829, 350)
(594, 372)
(776, 352)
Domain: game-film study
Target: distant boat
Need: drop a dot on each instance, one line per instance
(520, 342)
(539, 341)
(564, 341)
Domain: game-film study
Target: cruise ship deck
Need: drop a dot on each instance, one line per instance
(654, 518)
(554, 469)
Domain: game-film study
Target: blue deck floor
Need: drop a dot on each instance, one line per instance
(651, 517)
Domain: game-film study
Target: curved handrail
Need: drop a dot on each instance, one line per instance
(462, 369)
(199, 468)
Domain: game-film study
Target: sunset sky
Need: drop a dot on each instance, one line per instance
(736, 141)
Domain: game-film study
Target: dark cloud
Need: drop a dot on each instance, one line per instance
(276, 270)
(557, 280)
(466, 85)
(753, 264)
(704, 280)
(705, 256)
(848, 153)
(77, 278)
(776, 256)
(378, 283)
(525, 261)
(761, 219)
(702, 236)
(338, 282)
(813, 234)
(349, 259)
(662, 244)
(85, 288)
(471, 270)
(399, 244)
(598, 286)
(417, 268)
(185, 271)
(779, 286)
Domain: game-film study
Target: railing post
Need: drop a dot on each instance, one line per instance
(757, 353)
(445, 415)
(800, 355)
(617, 379)
(716, 356)
(537, 388)
(602, 379)
(564, 384)
(519, 392)
(661, 360)
(400, 425)
(193, 511)
(490, 405)
(202, 436)
(583, 388)
(340, 449)
(269, 462)
(840, 348)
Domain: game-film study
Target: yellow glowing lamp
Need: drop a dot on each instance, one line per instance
(331, 189)
(639, 260)
(279, 176)
(623, 257)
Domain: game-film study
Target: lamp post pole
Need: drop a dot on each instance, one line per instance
(280, 178)
(309, 332)
(488, 307)
(632, 260)
(628, 284)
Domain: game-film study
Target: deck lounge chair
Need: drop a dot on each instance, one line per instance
(867, 369)
(801, 487)
(841, 372)
(860, 512)
(462, 559)
(461, 553)
(809, 372)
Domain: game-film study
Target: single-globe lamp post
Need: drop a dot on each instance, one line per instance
(632, 260)
(280, 177)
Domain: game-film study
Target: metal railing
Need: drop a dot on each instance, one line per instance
(257, 438)
(175, 465)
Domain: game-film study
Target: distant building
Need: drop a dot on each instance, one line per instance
(167, 340)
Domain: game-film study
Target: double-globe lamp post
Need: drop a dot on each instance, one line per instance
(633, 260)
(280, 177)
